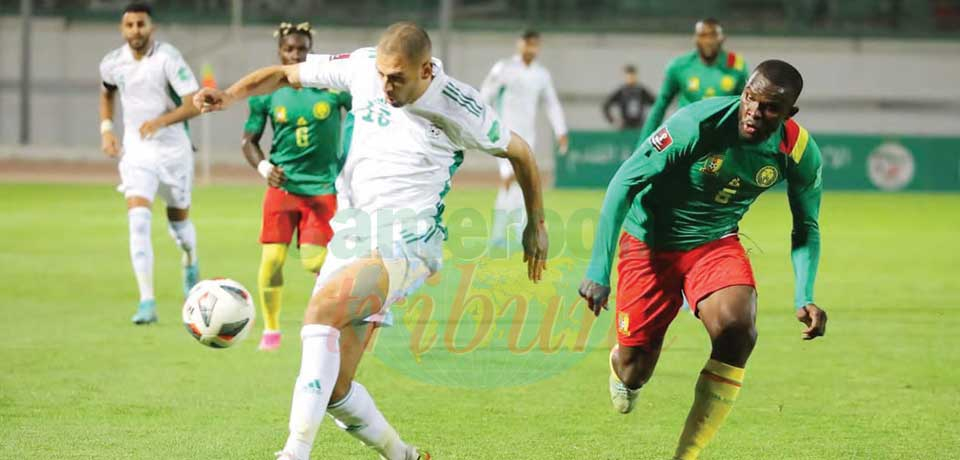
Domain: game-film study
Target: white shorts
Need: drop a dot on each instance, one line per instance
(506, 169)
(408, 262)
(169, 176)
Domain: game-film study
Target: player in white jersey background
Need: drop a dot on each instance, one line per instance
(412, 125)
(156, 155)
(515, 87)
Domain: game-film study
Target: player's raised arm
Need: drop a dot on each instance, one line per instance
(804, 189)
(535, 242)
(651, 158)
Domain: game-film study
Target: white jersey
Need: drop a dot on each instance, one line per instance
(149, 88)
(515, 90)
(401, 160)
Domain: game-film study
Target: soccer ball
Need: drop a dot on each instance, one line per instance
(218, 312)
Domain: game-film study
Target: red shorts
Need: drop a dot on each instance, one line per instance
(651, 282)
(309, 215)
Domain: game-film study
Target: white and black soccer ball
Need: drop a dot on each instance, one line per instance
(218, 312)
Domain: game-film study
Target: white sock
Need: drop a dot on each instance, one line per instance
(185, 234)
(319, 367)
(358, 415)
(141, 250)
(500, 211)
(517, 210)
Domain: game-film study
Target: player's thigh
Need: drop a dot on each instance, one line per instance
(138, 183)
(280, 217)
(721, 287)
(315, 214)
(714, 266)
(175, 172)
(648, 295)
(347, 291)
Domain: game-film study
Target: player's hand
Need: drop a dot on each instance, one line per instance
(563, 144)
(109, 144)
(815, 319)
(149, 128)
(596, 295)
(211, 100)
(276, 177)
(535, 245)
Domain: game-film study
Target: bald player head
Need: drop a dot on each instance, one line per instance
(708, 35)
(403, 63)
(769, 98)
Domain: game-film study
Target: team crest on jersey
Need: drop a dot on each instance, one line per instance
(280, 114)
(321, 110)
(767, 176)
(661, 139)
(713, 164)
(693, 84)
(727, 83)
(623, 323)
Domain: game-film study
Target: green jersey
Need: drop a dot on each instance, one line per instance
(693, 80)
(693, 180)
(306, 135)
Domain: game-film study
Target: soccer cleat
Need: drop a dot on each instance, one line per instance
(622, 397)
(281, 455)
(413, 453)
(270, 341)
(146, 312)
(191, 275)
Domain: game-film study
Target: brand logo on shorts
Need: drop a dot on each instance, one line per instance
(661, 139)
(623, 323)
(767, 176)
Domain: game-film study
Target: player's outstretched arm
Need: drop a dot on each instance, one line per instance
(651, 159)
(262, 81)
(535, 241)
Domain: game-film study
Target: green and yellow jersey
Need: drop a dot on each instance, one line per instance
(693, 180)
(691, 80)
(306, 135)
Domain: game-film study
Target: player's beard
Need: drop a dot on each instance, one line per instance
(139, 44)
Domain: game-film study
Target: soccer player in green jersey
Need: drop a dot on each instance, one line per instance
(305, 158)
(682, 194)
(706, 72)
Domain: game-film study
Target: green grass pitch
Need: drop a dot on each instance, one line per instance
(78, 381)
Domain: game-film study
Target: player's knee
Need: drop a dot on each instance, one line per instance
(312, 257)
(738, 334)
(271, 264)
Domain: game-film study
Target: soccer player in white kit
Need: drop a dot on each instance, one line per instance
(514, 87)
(412, 125)
(157, 155)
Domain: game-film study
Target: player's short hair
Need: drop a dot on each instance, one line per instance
(407, 39)
(530, 34)
(630, 68)
(139, 7)
(286, 29)
(782, 74)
